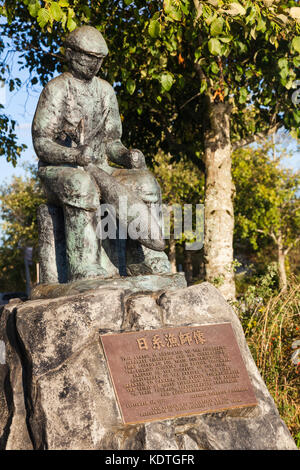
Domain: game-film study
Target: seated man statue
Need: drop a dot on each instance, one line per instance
(76, 133)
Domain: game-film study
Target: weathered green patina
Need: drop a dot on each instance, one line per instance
(76, 134)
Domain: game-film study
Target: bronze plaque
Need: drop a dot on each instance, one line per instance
(171, 372)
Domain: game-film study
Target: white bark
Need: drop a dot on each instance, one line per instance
(281, 255)
(219, 216)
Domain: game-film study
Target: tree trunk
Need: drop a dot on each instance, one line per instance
(219, 190)
(172, 253)
(188, 266)
(281, 254)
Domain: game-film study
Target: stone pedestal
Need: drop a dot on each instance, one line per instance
(56, 391)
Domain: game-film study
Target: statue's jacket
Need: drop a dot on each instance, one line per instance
(70, 113)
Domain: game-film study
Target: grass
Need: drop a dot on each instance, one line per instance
(271, 322)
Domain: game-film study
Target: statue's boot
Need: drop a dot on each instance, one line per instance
(82, 245)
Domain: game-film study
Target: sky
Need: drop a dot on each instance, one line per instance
(20, 105)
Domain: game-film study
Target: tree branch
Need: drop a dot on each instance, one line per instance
(287, 250)
(256, 137)
(189, 100)
(57, 56)
(272, 234)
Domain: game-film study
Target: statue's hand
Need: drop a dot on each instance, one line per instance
(85, 156)
(136, 159)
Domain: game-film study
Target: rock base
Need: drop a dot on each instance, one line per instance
(55, 388)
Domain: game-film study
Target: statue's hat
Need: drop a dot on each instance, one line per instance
(87, 39)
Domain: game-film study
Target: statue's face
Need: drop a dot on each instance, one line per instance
(84, 66)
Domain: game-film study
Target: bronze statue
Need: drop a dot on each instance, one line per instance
(76, 133)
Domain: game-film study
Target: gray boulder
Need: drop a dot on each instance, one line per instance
(56, 391)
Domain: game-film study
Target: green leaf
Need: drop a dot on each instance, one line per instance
(172, 10)
(242, 47)
(175, 14)
(203, 87)
(154, 28)
(71, 13)
(87, 11)
(283, 63)
(261, 25)
(216, 26)
(127, 2)
(43, 17)
(214, 46)
(167, 5)
(56, 11)
(198, 53)
(296, 61)
(64, 20)
(166, 81)
(296, 44)
(236, 9)
(251, 16)
(284, 73)
(273, 40)
(243, 95)
(71, 24)
(63, 3)
(295, 12)
(181, 82)
(184, 8)
(214, 67)
(253, 33)
(130, 86)
(226, 40)
(34, 8)
(289, 83)
(296, 116)
(282, 18)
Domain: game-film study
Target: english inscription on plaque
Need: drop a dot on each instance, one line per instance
(182, 371)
